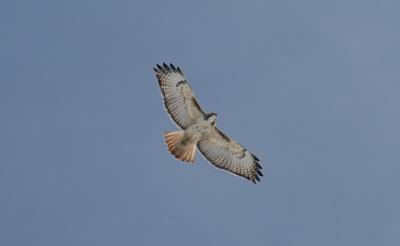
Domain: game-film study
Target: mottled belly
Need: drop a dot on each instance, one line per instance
(196, 132)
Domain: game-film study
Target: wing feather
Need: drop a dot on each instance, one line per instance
(226, 154)
(179, 99)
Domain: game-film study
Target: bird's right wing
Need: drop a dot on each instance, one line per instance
(179, 99)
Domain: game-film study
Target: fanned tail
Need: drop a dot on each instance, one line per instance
(180, 149)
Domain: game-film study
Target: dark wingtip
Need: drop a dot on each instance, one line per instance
(160, 68)
(255, 157)
(258, 165)
(179, 70)
(173, 67)
(155, 69)
(257, 178)
(259, 172)
(166, 67)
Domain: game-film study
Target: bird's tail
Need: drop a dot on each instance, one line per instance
(178, 147)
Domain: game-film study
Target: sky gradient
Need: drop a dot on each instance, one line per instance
(310, 87)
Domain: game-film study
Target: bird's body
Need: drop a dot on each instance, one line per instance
(199, 129)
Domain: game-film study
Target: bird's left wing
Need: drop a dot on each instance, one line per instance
(179, 99)
(225, 153)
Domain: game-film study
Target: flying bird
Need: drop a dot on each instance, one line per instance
(199, 129)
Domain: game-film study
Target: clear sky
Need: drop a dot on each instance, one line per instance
(311, 87)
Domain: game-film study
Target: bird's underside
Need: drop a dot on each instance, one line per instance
(199, 129)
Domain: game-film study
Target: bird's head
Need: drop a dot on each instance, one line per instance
(211, 117)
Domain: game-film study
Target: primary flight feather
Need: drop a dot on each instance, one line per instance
(199, 129)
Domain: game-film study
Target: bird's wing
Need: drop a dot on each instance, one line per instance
(179, 99)
(225, 153)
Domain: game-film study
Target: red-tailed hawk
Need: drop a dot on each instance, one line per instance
(199, 129)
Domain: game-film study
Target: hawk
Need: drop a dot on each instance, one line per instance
(199, 129)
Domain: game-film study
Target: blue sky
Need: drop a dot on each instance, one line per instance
(311, 87)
